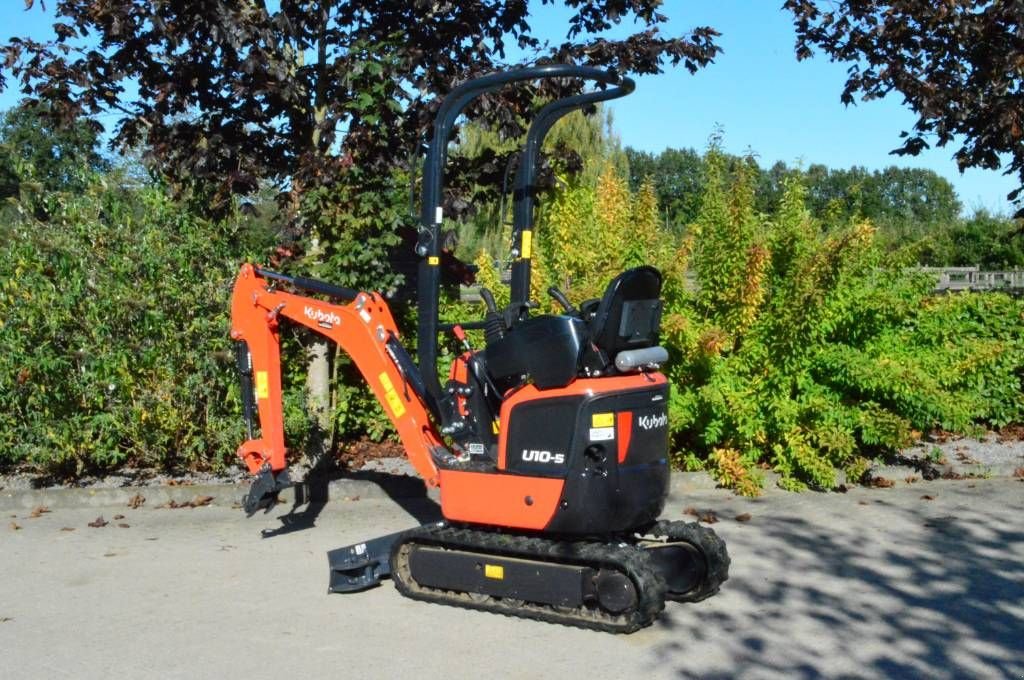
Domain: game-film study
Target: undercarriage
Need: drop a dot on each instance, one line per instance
(616, 585)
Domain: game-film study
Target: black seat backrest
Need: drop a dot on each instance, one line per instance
(629, 314)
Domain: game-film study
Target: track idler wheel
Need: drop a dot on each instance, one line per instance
(691, 558)
(615, 591)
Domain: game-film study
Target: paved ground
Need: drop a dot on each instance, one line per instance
(871, 583)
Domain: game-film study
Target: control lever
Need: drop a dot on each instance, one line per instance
(562, 300)
(494, 322)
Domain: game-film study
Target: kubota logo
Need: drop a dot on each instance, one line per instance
(652, 422)
(321, 316)
(535, 456)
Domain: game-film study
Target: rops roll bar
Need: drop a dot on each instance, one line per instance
(523, 191)
(428, 244)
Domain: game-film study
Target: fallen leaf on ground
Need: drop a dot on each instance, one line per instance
(136, 501)
(708, 517)
(910, 479)
(691, 511)
(1019, 473)
(862, 502)
(118, 516)
(123, 525)
(197, 502)
(39, 512)
(745, 517)
(5, 619)
(952, 475)
(881, 482)
(926, 497)
(14, 526)
(110, 554)
(67, 528)
(98, 522)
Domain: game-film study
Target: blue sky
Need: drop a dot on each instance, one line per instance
(763, 99)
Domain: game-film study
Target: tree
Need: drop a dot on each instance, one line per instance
(328, 100)
(231, 93)
(678, 177)
(34, 149)
(957, 64)
(982, 240)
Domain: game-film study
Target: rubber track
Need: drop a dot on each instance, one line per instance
(710, 545)
(625, 558)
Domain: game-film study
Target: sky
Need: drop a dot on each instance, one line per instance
(756, 93)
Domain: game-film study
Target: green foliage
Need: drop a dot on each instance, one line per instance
(38, 155)
(813, 350)
(963, 88)
(804, 348)
(677, 175)
(589, 231)
(113, 332)
(905, 204)
(982, 240)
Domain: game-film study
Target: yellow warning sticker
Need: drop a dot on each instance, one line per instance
(602, 420)
(394, 401)
(495, 571)
(527, 244)
(433, 260)
(495, 427)
(262, 385)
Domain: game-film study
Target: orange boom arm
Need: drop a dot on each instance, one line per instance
(363, 328)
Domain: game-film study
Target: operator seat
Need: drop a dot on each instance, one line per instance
(626, 318)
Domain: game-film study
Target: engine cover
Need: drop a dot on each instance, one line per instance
(606, 437)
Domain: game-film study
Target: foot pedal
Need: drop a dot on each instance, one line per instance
(263, 492)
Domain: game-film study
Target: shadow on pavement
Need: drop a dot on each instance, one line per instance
(864, 601)
(312, 495)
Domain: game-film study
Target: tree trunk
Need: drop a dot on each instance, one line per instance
(318, 403)
(319, 354)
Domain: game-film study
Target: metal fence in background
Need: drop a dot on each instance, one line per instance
(947, 280)
(955, 279)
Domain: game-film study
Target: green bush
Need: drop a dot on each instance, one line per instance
(804, 348)
(114, 326)
(808, 351)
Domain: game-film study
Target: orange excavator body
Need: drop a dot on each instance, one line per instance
(549, 445)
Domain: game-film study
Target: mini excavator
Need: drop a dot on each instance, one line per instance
(549, 444)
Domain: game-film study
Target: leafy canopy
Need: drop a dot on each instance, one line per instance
(229, 93)
(957, 64)
(36, 151)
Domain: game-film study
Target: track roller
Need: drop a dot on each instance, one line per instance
(614, 587)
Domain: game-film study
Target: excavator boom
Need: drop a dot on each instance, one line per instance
(364, 328)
